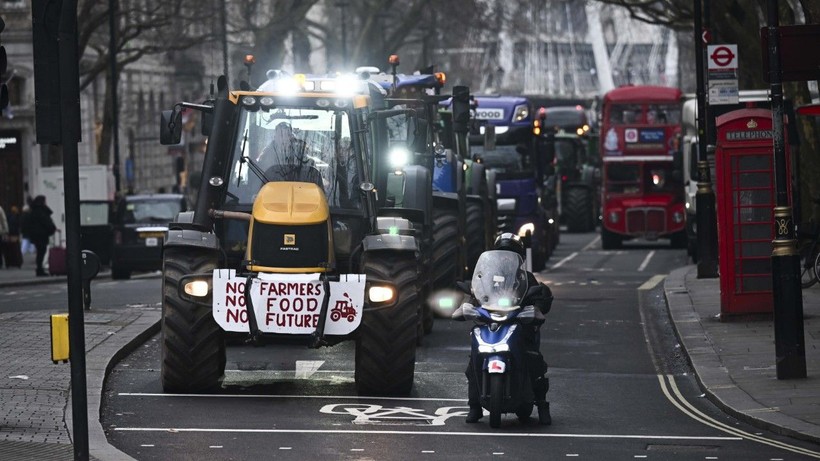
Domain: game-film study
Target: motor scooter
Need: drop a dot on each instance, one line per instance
(498, 353)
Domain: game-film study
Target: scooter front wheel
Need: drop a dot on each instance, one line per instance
(496, 399)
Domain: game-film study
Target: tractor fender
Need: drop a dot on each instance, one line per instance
(478, 179)
(400, 225)
(185, 217)
(390, 242)
(191, 238)
(417, 191)
(445, 200)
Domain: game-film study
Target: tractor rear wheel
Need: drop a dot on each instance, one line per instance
(475, 233)
(445, 249)
(193, 345)
(578, 208)
(386, 344)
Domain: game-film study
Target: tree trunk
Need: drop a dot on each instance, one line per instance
(104, 147)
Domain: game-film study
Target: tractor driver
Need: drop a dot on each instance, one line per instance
(286, 158)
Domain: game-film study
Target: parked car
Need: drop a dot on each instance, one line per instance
(140, 223)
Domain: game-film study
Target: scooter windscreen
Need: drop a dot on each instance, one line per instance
(499, 280)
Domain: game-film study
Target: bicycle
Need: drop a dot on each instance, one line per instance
(808, 235)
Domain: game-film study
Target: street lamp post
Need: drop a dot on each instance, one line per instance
(705, 196)
(112, 62)
(790, 349)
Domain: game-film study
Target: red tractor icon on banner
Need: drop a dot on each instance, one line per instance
(343, 308)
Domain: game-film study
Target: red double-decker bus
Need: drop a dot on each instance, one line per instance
(642, 189)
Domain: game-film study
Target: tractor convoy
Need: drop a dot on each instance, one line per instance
(339, 208)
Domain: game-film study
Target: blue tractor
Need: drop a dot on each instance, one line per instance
(507, 141)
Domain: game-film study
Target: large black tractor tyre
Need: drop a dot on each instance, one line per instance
(610, 240)
(193, 345)
(476, 233)
(578, 209)
(445, 249)
(386, 343)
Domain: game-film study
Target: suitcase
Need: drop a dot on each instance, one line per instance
(57, 258)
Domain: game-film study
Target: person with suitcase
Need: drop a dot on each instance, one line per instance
(40, 227)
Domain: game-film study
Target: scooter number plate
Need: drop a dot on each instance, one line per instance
(496, 366)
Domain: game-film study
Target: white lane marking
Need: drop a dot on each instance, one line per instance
(651, 283)
(646, 261)
(687, 408)
(306, 368)
(357, 449)
(286, 448)
(428, 451)
(592, 243)
(417, 433)
(215, 446)
(561, 262)
(147, 445)
(281, 396)
(498, 453)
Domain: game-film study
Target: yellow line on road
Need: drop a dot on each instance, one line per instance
(687, 408)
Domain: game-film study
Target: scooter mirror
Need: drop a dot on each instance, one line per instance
(464, 286)
(465, 312)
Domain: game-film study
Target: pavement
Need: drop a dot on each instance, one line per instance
(733, 362)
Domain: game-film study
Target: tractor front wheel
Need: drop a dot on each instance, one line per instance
(193, 345)
(386, 344)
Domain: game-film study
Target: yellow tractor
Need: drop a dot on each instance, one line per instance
(285, 240)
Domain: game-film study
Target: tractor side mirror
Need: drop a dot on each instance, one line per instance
(170, 127)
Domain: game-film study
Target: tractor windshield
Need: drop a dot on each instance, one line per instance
(295, 144)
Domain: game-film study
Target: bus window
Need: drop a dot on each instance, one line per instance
(621, 114)
(663, 114)
(623, 178)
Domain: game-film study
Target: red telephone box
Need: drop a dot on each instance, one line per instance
(744, 166)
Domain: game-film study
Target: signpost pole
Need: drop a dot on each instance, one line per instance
(790, 349)
(705, 196)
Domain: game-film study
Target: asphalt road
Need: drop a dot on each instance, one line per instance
(620, 388)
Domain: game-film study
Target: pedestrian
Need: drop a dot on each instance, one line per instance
(4, 232)
(11, 245)
(40, 227)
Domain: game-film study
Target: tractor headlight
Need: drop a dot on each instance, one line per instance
(197, 288)
(614, 217)
(677, 217)
(521, 112)
(381, 294)
(399, 157)
(529, 227)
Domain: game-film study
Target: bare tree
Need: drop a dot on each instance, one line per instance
(143, 28)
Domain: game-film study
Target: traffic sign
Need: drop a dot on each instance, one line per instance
(706, 36)
(722, 57)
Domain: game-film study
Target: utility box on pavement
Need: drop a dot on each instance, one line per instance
(744, 165)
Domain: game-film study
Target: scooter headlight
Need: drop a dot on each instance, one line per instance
(529, 227)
